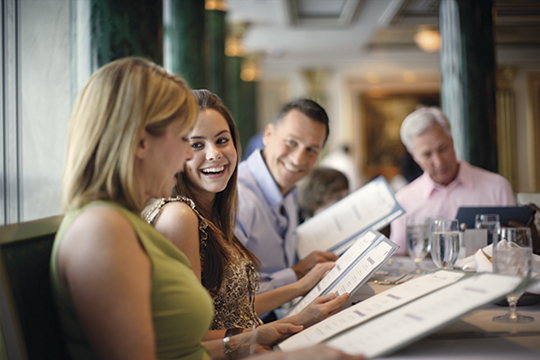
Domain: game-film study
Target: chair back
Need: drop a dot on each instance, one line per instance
(528, 198)
(28, 316)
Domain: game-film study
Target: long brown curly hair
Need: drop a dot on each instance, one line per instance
(222, 219)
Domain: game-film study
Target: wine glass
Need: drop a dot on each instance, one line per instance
(444, 242)
(489, 222)
(512, 255)
(417, 240)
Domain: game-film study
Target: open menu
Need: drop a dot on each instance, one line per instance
(334, 229)
(405, 313)
(369, 251)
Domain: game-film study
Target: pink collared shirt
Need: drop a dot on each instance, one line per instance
(473, 186)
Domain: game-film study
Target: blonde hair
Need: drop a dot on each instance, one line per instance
(120, 101)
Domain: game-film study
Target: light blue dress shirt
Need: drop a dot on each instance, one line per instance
(267, 222)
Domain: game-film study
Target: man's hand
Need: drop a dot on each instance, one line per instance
(315, 257)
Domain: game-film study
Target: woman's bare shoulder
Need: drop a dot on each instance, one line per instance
(176, 214)
(99, 235)
(99, 231)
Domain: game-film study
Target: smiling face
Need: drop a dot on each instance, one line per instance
(214, 155)
(434, 152)
(292, 147)
(160, 158)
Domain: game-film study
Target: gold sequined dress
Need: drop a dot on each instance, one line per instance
(234, 305)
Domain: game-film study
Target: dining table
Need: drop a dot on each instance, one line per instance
(473, 336)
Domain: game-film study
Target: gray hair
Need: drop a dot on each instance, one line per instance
(420, 121)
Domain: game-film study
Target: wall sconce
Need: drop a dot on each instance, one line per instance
(250, 67)
(234, 47)
(216, 5)
(235, 34)
(428, 39)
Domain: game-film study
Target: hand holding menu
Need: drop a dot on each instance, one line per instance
(372, 206)
(370, 250)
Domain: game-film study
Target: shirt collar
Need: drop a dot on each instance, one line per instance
(264, 179)
(463, 177)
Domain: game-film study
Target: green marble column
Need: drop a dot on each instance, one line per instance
(183, 40)
(241, 99)
(234, 93)
(249, 106)
(215, 33)
(121, 28)
(468, 78)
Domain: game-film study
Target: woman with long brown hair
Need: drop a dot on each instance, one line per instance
(199, 219)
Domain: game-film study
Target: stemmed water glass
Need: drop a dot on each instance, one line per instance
(417, 240)
(512, 255)
(444, 242)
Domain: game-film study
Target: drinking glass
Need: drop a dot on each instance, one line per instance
(445, 243)
(430, 224)
(417, 240)
(512, 255)
(489, 222)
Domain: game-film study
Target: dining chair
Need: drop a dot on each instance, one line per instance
(29, 323)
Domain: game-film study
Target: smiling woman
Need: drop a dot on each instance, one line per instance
(200, 217)
(215, 157)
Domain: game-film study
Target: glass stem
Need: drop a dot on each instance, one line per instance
(512, 303)
(418, 270)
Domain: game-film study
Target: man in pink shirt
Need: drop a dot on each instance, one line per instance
(447, 183)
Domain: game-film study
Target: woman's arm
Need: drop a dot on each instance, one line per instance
(179, 223)
(317, 352)
(273, 299)
(260, 343)
(108, 275)
(247, 343)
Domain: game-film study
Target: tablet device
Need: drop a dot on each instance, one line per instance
(523, 214)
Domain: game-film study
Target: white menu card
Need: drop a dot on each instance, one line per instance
(403, 325)
(369, 251)
(371, 307)
(372, 206)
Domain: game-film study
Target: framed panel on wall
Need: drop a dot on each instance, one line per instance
(533, 130)
(382, 115)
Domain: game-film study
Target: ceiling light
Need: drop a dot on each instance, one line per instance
(428, 39)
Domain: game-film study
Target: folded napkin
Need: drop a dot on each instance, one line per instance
(481, 262)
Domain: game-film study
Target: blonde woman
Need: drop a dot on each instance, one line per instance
(122, 290)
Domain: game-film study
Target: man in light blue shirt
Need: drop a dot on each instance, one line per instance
(268, 210)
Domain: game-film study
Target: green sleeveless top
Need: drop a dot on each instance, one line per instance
(181, 308)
